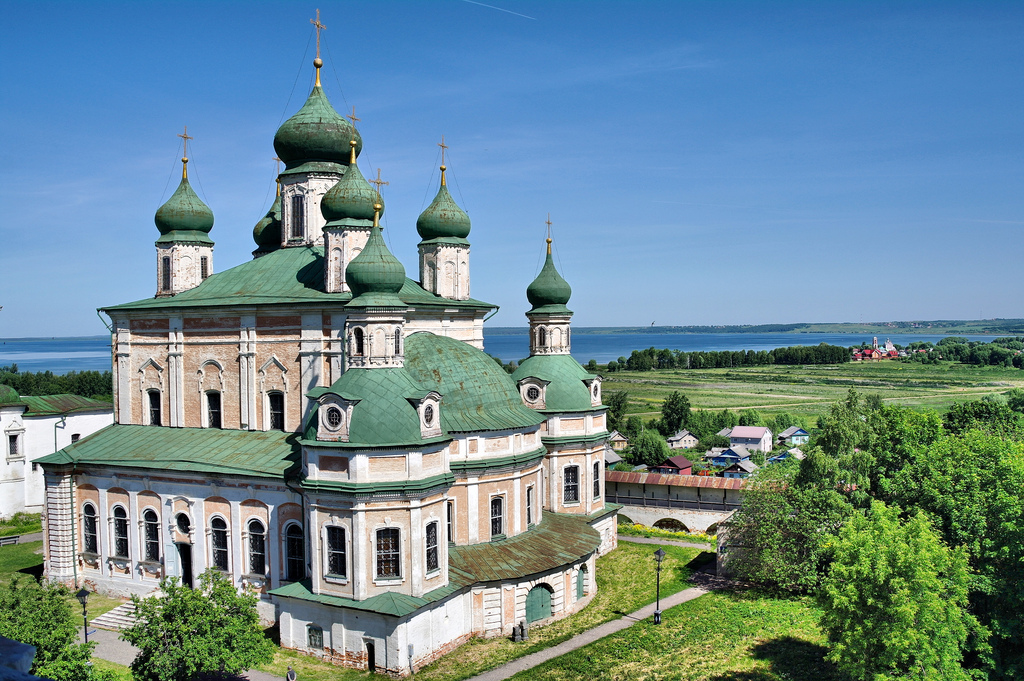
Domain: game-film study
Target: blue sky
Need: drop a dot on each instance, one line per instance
(702, 162)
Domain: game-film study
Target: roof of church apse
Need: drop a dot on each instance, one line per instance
(287, 276)
(566, 390)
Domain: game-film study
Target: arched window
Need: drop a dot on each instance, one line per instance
(295, 554)
(597, 479)
(542, 337)
(120, 532)
(219, 543)
(529, 506)
(90, 543)
(154, 407)
(398, 341)
(275, 400)
(336, 559)
(451, 521)
(357, 342)
(165, 273)
(581, 581)
(432, 562)
(213, 409)
(497, 516)
(257, 548)
(389, 553)
(298, 217)
(152, 533)
(571, 488)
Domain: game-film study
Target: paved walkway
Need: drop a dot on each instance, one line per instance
(671, 542)
(111, 648)
(589, 636)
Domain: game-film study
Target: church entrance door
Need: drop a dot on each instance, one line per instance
(538, 603)
(185, 560)
(371, 658)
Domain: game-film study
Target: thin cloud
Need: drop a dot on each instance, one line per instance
(473, 2)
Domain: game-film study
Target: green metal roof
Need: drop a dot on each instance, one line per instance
(316, 137)
(50, 405)
(287, 276)
(351, 198)
(184, 213)
(383, 416)
(9, 396)
(375, 275)
(566, 390)
(192, 450)
(443, 219)
(549, 292)
(267, 232)
(476, 393)
(559, 540)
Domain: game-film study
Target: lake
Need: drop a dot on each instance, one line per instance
(61, 355)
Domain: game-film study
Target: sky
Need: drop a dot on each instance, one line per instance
(702, 162)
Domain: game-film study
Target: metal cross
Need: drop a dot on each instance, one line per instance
(444, 147)
(186, 137)
(319, 27)
(278, 164)
(352, 116)
(379, 182)
(548, 223)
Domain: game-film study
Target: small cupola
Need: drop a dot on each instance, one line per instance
(549, 292)
(352, 199)
(375, 276)
(443, 219)
(316, 134)
(184, 216)
(267, 232)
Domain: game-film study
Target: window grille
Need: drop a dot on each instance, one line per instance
(165, 274)
(597, 479)
(152, 530)
(204, 267)
(295, 548)
(219, 537)
(120, 533)
(357, 336)
(12, 441)
(529, 506)
(432, 562)
(336, 562)
(154, 407)
(388, 553)
(298, 217)
(257, 548)
(213, 409)
(89, 537)
(497, 516)
(451, 522)
(571, 488)
(276, 403)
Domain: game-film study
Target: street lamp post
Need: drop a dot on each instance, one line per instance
(659, 556)
(83, 597)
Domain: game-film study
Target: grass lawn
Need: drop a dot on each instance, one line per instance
(21, 523)
(625, 583)
(722, 636)
(121, 673)
(807, 391)
(20, 557)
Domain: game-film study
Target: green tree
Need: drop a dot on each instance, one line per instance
(591, 366)
(648, 448)
(632, 427)
(212, 630)
(675, 411)
(751, 417)
(617, 401)
(41, 615)
(1015, 400)
(895, 600)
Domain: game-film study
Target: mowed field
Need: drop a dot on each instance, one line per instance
(809, 390)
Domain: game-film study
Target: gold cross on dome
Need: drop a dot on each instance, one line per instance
(319, 27)
(444, 148)
(278, 164)
(352, 116)
(379, 182)
(548, 223)
(185, 138)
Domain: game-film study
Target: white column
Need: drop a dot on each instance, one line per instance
(274, 547)
(134, 543)
(236, 544)
(417, 559)
(200, 559)
(176, 373)
(310, 357)
(123, 368)
(472, 504)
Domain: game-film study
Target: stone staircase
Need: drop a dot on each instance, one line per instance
(121, 617)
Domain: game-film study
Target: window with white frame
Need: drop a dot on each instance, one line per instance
(597, 479)
(14, 446)
(298, 217)
(497, 516)
(529, 505)
(432, 561)
(90, 539)
(257, 548)
(153, 396)
(336, 558)
(389, 551)
(571, 484)
(165, 273)
(151, 534)
(219, 543)
(275, 404)
(295, 554)
(213, 411)
(451, 522)
(120, 532)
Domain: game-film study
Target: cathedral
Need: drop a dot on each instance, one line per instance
(329, 434)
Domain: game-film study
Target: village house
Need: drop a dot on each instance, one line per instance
(751, 437)
(684, 439)
(794, 435)
(727, 457)
(618, 441)
(740, 469)
(675, 465)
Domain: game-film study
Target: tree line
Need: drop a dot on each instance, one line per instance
(908, 526)
(95, 384)
(665, 358)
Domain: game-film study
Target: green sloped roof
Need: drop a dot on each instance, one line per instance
(559, 540)
(9, 396)
(566, 390)
(287, 276)
(193, 450)
(384, 416)
(48, 405)
(476, 393)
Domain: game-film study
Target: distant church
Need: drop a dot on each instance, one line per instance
(330, 434)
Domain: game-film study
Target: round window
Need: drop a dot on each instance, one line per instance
(533, 393)
(595, 391)
(333, 417)
(428, 414)
(183, 525)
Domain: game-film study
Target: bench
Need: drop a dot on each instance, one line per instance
(8, 541)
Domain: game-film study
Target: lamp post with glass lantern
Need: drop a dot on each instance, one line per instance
(659, 556)
(83, 597)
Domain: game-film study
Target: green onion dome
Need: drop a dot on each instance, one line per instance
(375, 271)
(351, 197)
(267, 232)
(315, 133)
(9, 395)
(549, 290)
(184, 211)
(443, 219)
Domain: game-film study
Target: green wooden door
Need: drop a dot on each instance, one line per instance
(581, 574)
(538, 603)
